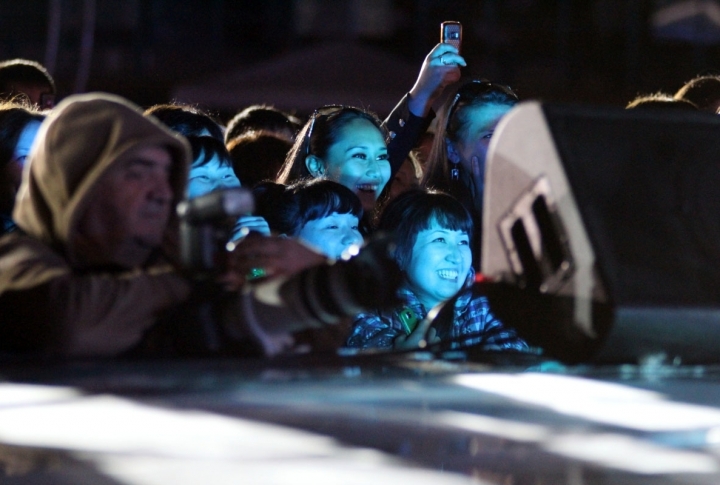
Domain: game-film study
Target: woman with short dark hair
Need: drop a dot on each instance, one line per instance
(433, 234)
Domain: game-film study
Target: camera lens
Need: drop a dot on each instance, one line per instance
(328, 293)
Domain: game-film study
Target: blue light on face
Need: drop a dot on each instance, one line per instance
(439, 264)
(25, 142)
(332, 235)
(213, 175)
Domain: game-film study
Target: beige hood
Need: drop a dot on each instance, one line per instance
(84, 136)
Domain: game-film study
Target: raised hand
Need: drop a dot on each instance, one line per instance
(440, 68)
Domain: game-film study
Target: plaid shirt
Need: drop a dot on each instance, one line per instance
(471, 316)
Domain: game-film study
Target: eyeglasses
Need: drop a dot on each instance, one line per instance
(475, 88)
(324, 111)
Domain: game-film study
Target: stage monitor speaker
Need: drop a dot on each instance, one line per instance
(607, 222)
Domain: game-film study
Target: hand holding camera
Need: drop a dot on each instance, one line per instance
(440, 68)
(258, 256)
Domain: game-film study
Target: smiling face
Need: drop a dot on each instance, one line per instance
(359, 160)
(210, 176)
(439, 264)
(333, 234)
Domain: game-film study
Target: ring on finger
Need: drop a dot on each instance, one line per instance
(442, 59)
(256, 273)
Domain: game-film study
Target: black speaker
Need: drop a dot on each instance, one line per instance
(606, 225)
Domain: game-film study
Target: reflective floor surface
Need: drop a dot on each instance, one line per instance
(358, 419)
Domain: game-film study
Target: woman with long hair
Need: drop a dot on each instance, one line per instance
(354, 148)
(466, 124)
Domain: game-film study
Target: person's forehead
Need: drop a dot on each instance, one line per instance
(359, 131)
(487, 115)
(147, 159)
(214, 163)
(153, 157)
(158, 154)
(433, 225)
(335, 216)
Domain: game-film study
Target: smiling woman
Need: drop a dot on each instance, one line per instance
(351, 146)
(433, 232)
(343, 144)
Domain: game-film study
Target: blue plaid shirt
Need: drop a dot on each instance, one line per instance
(471, 316)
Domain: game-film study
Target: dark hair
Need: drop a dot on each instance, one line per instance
(13, 119)
(18, 72)
(261, 117)
(469, 95)
(204, 148)
(288, 209)
(326, 129)
(186, 120)
(660, 101)
(702, 91)
(413, 211)
(258, 156)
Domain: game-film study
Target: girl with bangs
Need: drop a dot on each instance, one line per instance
(321, 213)
(212, 170)
(433, 236)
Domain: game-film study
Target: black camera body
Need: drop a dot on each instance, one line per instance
(206, 225)
(317, 296)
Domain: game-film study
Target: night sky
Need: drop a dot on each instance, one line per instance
(600, 52)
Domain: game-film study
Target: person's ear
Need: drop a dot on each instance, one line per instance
(315, 166)
(452, 153)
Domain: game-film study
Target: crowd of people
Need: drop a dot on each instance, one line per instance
(90, 247)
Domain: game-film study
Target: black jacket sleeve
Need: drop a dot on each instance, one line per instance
(404, 131)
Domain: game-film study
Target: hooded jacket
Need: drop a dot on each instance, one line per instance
(50, 303)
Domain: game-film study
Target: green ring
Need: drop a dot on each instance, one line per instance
(256, 273)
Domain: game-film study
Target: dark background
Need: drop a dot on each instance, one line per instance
(588, 51)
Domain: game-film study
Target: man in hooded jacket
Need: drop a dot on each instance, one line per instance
(91, 270)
